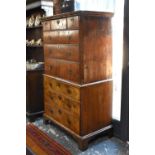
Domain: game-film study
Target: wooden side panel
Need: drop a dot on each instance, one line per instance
(97, 48)
(96, 107)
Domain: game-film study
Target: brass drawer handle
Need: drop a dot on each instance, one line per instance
(69, 91)
(51, 97)
(68, 105)
(51, 85)
(60, 98)
(58, 21)
(52, 111)
(58, 85)
(60, 112)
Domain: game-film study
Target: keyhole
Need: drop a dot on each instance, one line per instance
(51, 85)
(68, 104)
(51, 97)
(51, 111)
(69, 91)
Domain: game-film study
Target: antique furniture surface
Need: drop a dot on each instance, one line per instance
(78, 73)
(34, 52)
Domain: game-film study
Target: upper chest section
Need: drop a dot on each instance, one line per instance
(70, 22)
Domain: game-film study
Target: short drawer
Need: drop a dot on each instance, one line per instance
(63, 69)
(66, 52)
(63, 117)
(58, 24)
(61, 37)
(55, 99)
(65, 89)
(46, 26)
(73, 22)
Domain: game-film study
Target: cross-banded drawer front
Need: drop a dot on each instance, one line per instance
(63, 69)
(61, 37)
(73, 22)
(58, 24)
(59, 87)
(63, 117)
(60, 101)
(66, 52)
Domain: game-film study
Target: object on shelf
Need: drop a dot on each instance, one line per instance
(31, 21)
(37, 20)
(33, 65)
(32, 42)
(27, 43)
(38, 42)
(67, 6)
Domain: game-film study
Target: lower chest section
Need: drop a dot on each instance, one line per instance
(62, 103)
(79, 109)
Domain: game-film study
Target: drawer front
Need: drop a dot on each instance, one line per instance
(60, 101)
(73, 22)
(59, 87)
(66, 52)
(63, 117)
(46, 26)
(48, 37)
(63, 69)
(62, 37)
(58, 24)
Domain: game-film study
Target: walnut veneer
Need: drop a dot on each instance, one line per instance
(78, 73)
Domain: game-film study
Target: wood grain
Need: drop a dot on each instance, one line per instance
(62, 88)
(78, 73)
(62, 51)
(96, 107)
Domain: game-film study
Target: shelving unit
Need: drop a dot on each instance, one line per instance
(34, 27)
(31, 46)
(34, 77)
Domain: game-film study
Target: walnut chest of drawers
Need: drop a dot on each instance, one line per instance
(78, 73)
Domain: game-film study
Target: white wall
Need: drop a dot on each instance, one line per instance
(117, 23)
(116, 6)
